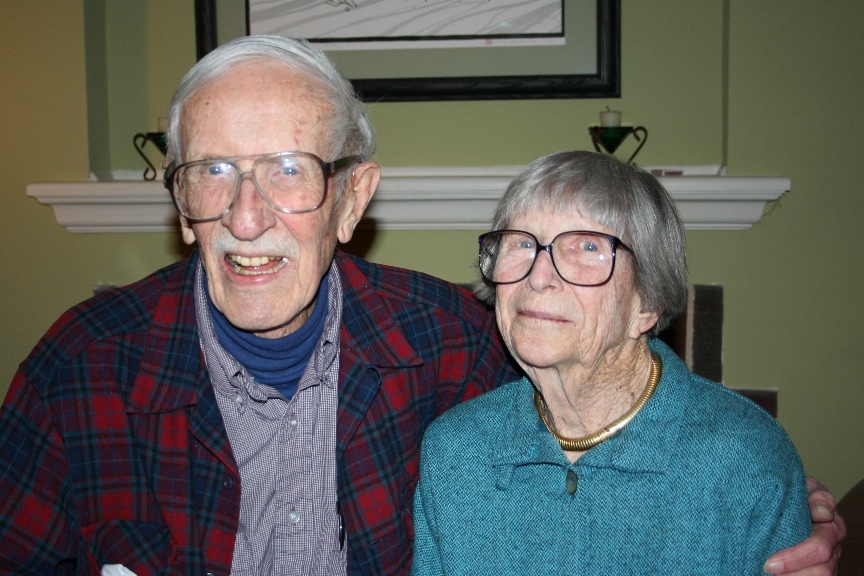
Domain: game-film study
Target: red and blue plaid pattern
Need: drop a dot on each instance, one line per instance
(113, 450)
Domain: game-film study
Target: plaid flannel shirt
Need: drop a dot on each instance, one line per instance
(113, 449)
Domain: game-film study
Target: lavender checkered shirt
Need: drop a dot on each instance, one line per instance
(286, 452)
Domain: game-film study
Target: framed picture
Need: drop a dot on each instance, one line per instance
(435, 50)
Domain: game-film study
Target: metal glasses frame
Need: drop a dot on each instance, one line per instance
(327, 168)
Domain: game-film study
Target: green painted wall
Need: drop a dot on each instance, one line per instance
(136, 53)
(774, 96)
(795, 312)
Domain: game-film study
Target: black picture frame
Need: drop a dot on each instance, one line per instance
(206, 34)
(604, 83)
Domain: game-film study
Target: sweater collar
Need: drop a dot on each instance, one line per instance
(644, 445)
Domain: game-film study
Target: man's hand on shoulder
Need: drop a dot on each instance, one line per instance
(817, 555)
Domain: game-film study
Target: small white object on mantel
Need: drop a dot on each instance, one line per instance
(417, 198)
(610, 118)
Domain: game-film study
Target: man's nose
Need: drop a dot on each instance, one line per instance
(250, 216)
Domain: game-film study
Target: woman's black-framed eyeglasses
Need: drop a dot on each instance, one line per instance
(580, 257)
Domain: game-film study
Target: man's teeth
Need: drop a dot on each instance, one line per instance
(253, 261)
(243, 263)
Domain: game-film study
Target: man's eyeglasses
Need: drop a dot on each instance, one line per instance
(289, 182)
(580, 257)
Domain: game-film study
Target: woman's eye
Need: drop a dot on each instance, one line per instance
(526, 244)
(588, 246)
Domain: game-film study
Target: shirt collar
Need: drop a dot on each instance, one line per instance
(236, 377)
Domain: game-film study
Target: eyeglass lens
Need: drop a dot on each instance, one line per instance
(583, 258)
(293, 183)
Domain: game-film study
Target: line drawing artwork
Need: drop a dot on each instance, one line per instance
(378, 23)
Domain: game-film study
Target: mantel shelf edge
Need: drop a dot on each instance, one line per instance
(409, 198)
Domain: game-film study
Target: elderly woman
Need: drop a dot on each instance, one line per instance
(610, 457)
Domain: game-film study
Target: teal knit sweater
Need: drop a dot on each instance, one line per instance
(701, 481)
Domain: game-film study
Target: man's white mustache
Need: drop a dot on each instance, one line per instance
(225, 243)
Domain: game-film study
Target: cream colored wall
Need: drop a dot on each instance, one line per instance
(792, 316)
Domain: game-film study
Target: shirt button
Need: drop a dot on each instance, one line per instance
(228, 483)
(293, 421)
(238, 399)
(572, 482)
(293, 517)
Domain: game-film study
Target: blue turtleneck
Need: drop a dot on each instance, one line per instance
(276, 362)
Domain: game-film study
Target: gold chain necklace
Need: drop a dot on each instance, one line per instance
(591, 440)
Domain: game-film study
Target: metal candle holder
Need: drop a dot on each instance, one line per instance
(158, 139)
(608, 138)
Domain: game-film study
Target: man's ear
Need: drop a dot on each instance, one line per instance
(356, 197)
(185, 227)
(186, 230)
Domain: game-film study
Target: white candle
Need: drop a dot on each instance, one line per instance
(610, 118)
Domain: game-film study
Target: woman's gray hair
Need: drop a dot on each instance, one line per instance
(351, 131)
(621, 197)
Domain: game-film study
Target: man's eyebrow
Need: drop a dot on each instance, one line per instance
(207, 157)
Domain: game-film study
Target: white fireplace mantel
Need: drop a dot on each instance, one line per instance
(413, 198)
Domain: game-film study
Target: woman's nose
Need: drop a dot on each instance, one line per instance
(543, 271)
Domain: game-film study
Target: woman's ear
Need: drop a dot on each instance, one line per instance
(643, 322)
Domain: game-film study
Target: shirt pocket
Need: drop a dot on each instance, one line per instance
(142, 547)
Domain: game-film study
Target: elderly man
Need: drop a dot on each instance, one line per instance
(257, 407)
